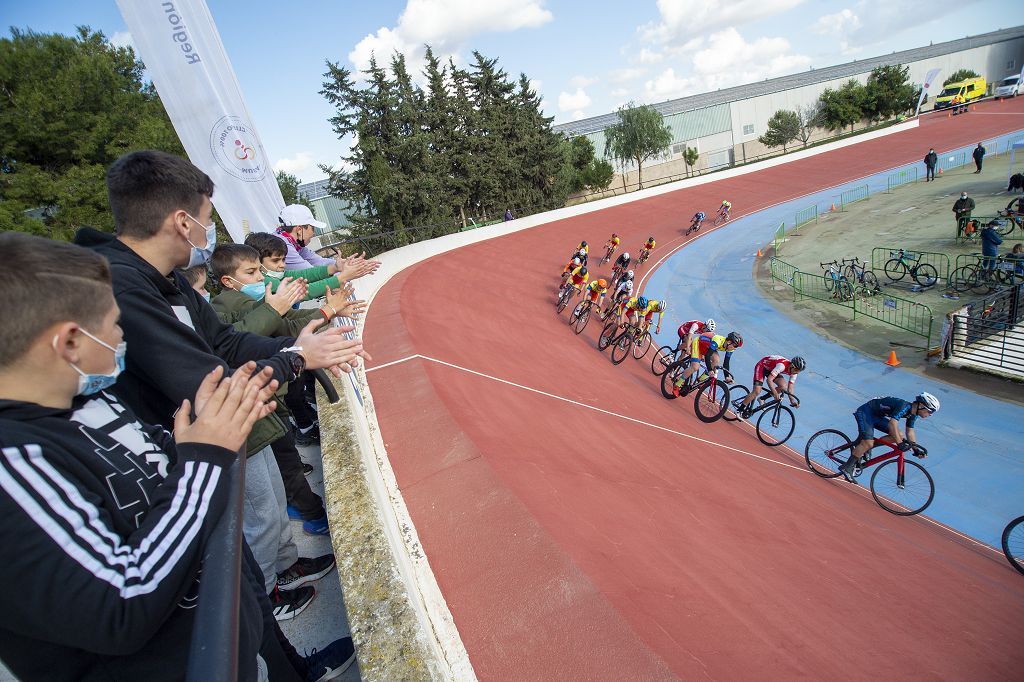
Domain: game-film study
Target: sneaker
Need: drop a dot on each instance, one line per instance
(294, 514)
(307, 437)
(316, 526)
(331, 662)
(307, 469)
(289, 603)
(305, 570)
(847, 471)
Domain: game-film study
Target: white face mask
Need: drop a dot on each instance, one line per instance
(200, 256)
(272, 273)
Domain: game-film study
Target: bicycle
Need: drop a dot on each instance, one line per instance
(608, 253)
(781, 421)
(694, 227)
(580, 315)
(644, 255)
(835, 282)
(899, 486)
(858, 273)
(631, 338)
(712, 394)
(1007, 220)
(978, 279)
(1013, 543)
(896, 268)
(567, 293)
(722, 218)
(665, 356)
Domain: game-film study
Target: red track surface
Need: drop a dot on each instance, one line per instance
(571, 544)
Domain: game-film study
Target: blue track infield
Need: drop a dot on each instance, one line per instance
(975, 444)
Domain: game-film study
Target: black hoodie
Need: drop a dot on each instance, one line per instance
(102, 523)
(174, 337)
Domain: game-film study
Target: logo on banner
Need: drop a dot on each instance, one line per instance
(234, 146)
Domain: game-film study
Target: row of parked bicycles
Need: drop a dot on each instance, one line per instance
(852, 277)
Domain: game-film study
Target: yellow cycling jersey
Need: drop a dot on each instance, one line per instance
(650, 245)
(614, 241)
(700, 344)
(579, 279)
(596, 287)
(586, 249)
(726, 204)
(653, 307)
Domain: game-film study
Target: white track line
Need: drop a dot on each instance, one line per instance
(859, 488)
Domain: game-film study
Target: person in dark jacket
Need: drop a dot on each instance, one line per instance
(931, 159)
(990, 241)
(979, 157)
(962, 208)
(105, 518)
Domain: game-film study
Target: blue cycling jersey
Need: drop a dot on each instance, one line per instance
(890, 408)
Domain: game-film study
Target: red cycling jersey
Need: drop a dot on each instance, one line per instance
(772, 366)
(691, 327)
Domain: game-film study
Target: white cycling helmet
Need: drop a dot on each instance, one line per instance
(629, 275)
(625, 255)
(575, 261)
(583, 253)
(929, 401)
(710, 324)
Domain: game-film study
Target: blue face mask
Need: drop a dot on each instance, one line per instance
(256, 290)
(94, 383)
(199, 256)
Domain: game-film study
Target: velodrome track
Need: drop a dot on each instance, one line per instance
(582, 527)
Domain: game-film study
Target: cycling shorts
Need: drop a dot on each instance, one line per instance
(594, 295)
(868, 422)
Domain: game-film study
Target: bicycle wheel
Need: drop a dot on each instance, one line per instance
(775, 425)
(620, 349)
(737, 393)
(1005, 227)
(641, 347)
(870, 281)
(563, 300)
(926, 275)
(910, 496)
(668, 379)
(961, 278)
(844, 290)
(1013, 543)
(607, 334)
(982, 281)
(826, 451)
(711, 402)
(583, 318)
(575, 313)
(663, 357)
(895, 270)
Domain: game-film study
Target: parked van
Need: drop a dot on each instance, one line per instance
(1008, 87)
(968, 91)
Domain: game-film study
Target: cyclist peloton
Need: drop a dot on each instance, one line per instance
(697, 221)
(884, 414)
(774, 366)
(707, 346)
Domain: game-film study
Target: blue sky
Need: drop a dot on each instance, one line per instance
(585, 58)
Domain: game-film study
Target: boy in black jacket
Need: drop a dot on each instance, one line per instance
(104, 518)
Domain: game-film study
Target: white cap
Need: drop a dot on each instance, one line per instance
(297, 214)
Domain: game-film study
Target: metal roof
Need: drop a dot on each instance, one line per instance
(315, 190)
(797, 80)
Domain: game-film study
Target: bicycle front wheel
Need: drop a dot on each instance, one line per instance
(904, 496)
(583, 318)
(844, 290)
(870, 281)
(620, 350)
(574, 315)
(663, 357)
(926, 275)
(563, 300)
(737, 393)
(961, 279)
(982, 281)
(895, 270)
(672, 373)
(826, 451)
(830, 282)
(606, 335)
(1013, 543)
(775, 425)
(712, 401)
(641, 347)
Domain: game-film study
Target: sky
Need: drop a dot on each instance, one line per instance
(585, 58)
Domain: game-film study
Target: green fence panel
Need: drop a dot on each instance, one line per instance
(948, 161)
(967, 259)
(780, 235)
(904, 177)
(782, 271)
(881, 254)
(806, 215)
(853, 195)
(807, 285)
(903, 313)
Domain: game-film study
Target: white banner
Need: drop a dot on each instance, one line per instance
(179, 44)
(929, 80)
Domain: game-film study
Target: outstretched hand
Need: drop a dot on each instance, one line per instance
(330, 349)
(226, 408)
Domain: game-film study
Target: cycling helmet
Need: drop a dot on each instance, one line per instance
(710, 324)
(662, 306)
(651, 238)
(625, 256)
(798, 363)
(583, 243)
(583, 271)
(614, 235)
(699, 215)
(602, 284)
(642, 302)
(929, 401)
(582, 253)
(629, 275)
(575, 261)
(735, 339)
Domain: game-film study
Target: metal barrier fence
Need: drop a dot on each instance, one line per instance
(980, 222)
(806, 285)
(949, 161)
(880, 255)
(903, 177)
(780, 236)
(782, 271)
(853, 195)
(987, 343)
(806, 215)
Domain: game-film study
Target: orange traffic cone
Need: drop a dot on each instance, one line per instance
(833, 209)
(892, 361)
(759, 253)
(940, 171)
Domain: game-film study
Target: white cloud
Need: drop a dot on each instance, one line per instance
(302, 165)
(840, 22)
(871, 21)
(122, 39)
(619, 92)
(681, 19)
(650, 57)
(573, 100)
(581, 81)
(667, 85)
(446, 25)
(617, 76)
(577, 115)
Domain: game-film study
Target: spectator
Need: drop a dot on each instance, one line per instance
(106, 518)
(273, 250)
(931, 159)
(962, 210)
(508, 215)
(990, 241)
(979, 157)
(158, 202)
(197, 277)
(298, 227)
(1016, 257)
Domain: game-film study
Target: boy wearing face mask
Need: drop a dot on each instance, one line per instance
(273, 253)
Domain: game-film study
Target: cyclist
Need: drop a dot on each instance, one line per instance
(612, 243)
(707, 346)
(596, 291)
(622, 292)
(632, 308)
(579, 277)
(697, 221)
(620, 265)
(774, 366)
(652, 307)
(884, 414)
(582, 251)
(649, 245)
(569, 267)
(725, 209)
(688, 329)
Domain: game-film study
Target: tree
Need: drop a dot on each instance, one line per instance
(809, 116)
(783, 128)
(960, 75)
(71, 105)
(690, 156)
(289, 185)
(889, 92)
(842, 107)
(639, 135)
(581, 169)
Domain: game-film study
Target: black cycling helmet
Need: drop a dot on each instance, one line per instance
(583, 243)
(583, 270)
(798, 363)
(735, 339)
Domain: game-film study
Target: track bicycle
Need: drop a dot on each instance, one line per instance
(777, 421)
(1013, 543)
(665, 356)
(694, 227)
(712, 394)
(835, 282)
(903, 263)
(609, 251)
(644, 255)
(857, 273)
(630, 338)
(580, 315)
(899, 486)
(722, 217)
(567, 293)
